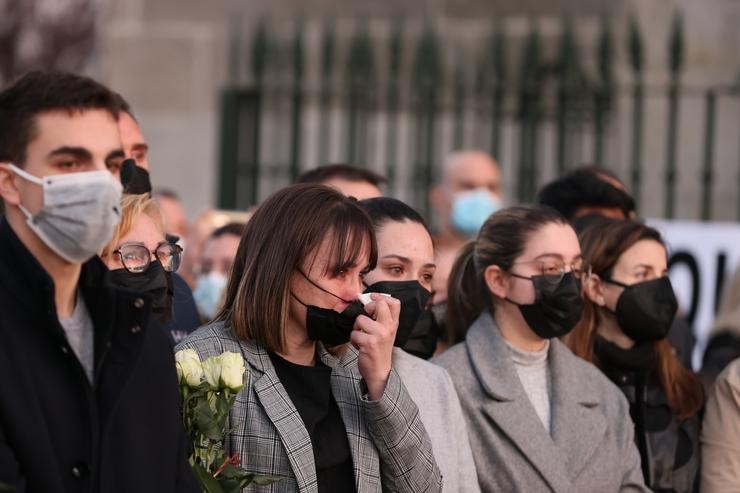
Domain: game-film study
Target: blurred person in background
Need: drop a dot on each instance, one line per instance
(142, 260)
(589, 192)
(720, 436)
(214, 269)
(539, 417)
(88, 395)
(323, 414)
(405, 270)
(174, 215)
(469, 191)
(199, 233)
(350, 180)
(629, 308)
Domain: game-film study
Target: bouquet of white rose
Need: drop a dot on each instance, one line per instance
(208, 391)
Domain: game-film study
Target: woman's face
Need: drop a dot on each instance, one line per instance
(344, 285)
(644, 261)
(554, 246)
(405, 253)
(144, 232)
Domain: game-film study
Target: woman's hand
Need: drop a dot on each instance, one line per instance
(373, 338)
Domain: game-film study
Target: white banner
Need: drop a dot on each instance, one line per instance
(703, 257)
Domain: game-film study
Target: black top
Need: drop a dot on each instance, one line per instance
(309, 387)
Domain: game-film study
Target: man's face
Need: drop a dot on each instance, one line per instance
(134, 144)
(64, 143)
(474, 172)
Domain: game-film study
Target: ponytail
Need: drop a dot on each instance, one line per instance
(500, 241)
(466, 298)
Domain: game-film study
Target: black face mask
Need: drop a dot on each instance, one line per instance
(557, 307)
(328, 326)
(413, 298)
(645, 310)
(422, 341)
(154, 281)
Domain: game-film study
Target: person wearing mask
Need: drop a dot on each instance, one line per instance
(322, 414)
(469, 191)
(78, 368)
(215, 267)
(720, 435)
(590, 192)
(142, 260)
(350, 180)
(539, 418)
(405, 270)
(134, 175)
(629, 306)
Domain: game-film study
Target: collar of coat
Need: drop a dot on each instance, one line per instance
(259, 359)
(578, 422)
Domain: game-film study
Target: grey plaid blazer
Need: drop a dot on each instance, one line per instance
(391, 450)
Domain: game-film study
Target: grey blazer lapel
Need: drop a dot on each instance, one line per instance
(578, 423)
(284, 416)
(509, 406)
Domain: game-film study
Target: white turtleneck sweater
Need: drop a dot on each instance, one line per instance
(534, 373)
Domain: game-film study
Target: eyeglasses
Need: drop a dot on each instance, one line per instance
(553, 269)
(136, 258)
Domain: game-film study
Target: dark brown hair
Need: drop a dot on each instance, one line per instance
(40, 92)
(501, 240)
(284, 232)
(603, 243)
(322, 174)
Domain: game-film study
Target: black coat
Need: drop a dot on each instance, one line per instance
(669, 450)
(58, 433)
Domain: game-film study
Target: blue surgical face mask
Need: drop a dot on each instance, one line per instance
(208, 293)
(471, 209)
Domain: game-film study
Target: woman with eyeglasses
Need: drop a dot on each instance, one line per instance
(629, 307)
(140, 257)
(322, 407)
(539, 418)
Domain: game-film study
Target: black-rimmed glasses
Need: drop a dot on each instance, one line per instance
(136, 258)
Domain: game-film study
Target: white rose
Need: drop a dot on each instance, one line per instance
(212, 371)
(188, 367)
(232, 370)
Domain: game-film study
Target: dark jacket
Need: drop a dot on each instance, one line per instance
(59, 433)
(669, 450)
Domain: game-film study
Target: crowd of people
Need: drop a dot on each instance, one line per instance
(495, 347)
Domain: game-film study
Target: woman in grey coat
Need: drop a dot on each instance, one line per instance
(539, 418)
(405, 270)
(323, 414)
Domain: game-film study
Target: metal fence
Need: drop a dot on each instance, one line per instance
(396, 96)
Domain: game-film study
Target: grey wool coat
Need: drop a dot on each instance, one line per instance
(390, 448)
(591, 448)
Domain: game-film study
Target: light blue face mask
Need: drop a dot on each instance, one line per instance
(208, 293)
(471, 209)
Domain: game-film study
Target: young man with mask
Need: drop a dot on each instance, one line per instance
(88, 396)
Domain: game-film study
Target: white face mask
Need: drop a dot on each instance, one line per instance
(80, 212)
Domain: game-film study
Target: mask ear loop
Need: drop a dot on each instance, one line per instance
(322, 289)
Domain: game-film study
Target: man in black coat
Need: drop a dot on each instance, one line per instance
(88, 395)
